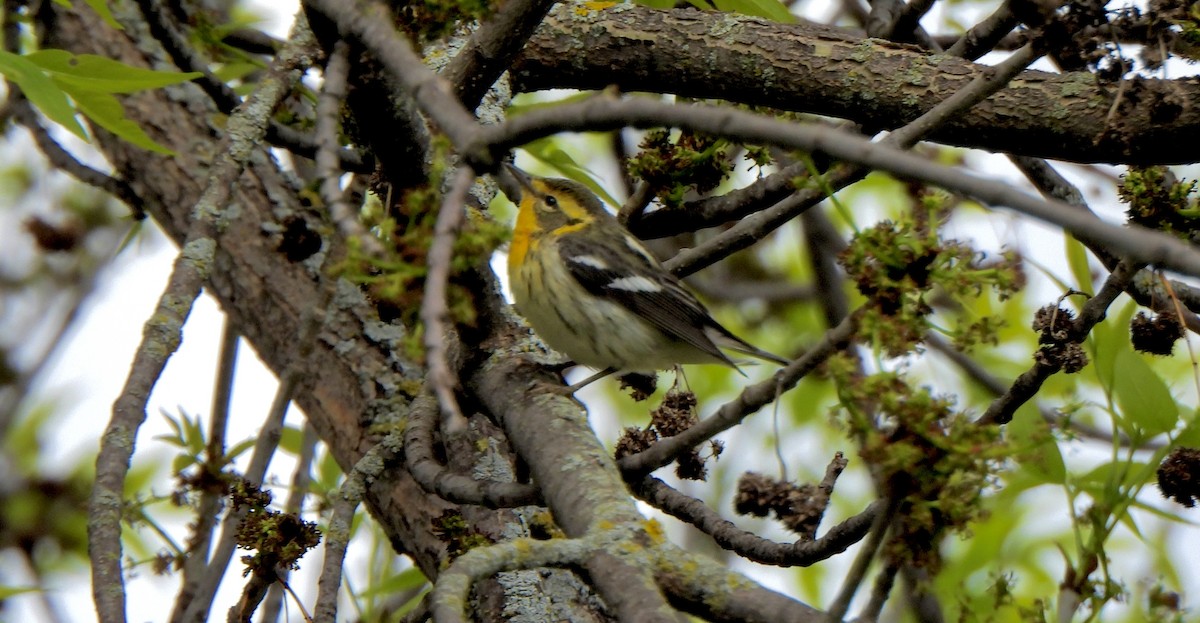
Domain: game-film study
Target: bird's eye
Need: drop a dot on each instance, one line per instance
(551, 201)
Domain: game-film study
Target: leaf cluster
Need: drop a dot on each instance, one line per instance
(899, 264)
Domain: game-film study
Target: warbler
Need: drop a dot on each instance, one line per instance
(592, 291)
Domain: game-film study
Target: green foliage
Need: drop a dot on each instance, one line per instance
(46, 516)
(548, 151)
(898, 264)
(769, 9)
(278, 539)
(49, 77)
(671, 167)
(1159, 201)
(188, 435)
(425, 20)
(396, 280)
(935, 461)
(101, 9)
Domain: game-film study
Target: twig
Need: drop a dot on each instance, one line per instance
(1027, 385)
(372, 468)
(986, 35)
(489, 51)
(712, 211)
(823, 243)
(63, 160)
(715, 593)
(208, 507)
(982, 86)
(161, 338)
(731, 413)
(1137, 243)
(879, 593)
(435, 477)
(451, 592)
(858, 570)
(747, 544)
(186, 56)
(434, 307)
(370, 23)
(260, 458)
(329, 103)
(297, 491)
(1145, 291)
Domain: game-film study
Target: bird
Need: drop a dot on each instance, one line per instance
(592, 291)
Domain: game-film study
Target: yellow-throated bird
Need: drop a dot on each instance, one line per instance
(592, 291)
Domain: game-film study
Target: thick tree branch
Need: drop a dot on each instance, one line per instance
(809, 68)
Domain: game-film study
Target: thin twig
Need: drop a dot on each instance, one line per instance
(1137, 243)
(269, 611)
(374, 467)
(329, 106)
(260, 458)
(987, 35)
(747, 544)
(1030, 382)
(748, 402)
(879, 593)
(489, 51)
(370, 23)
(208, 506)
(435, 477)
(434, 306)
(187, 57)
(858, 570)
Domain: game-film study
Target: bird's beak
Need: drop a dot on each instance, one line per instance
(514, 182)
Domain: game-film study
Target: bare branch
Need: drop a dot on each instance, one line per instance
(1027, 385)
(490, 49)
(746, 544)
(371, 469)
(434, 310)
(369, 22)
(720, 56)
(437, 478)
(751, 400)
(1139, 244)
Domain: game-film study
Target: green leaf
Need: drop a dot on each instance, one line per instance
(770, 9)
(549, 153)
(406, 580)
(107, 112)
(89, 72)
(1190, 435)
(1106, 340)
(13, 591)
(101, 9)
(241, 446)
(523, 103)
(1142, 395)
(41, 91)
(182, 462)
(1035, 448)
(1077, 259)
(235, 71)
(290, 439)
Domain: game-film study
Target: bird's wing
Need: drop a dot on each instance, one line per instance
(636, 281)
